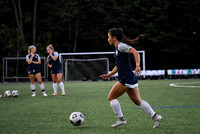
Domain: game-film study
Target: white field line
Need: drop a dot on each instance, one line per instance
(185, 84)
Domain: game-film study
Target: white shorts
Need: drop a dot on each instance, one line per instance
(131, 85)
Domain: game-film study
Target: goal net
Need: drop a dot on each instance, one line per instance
(89, 65)
(15, 69)
(76, 69)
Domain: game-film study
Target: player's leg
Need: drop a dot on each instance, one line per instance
(62, 87)
(32, 84)
(117, 90)
(39, 79)
(54, 79)
(134, 95)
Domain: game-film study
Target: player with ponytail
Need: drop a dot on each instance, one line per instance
(53, 62)
(127, 79)
(33, 61)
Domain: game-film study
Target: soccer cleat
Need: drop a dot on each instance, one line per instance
(121, 121)
(157, 119)
(54, 94)
(63, 94)
(44, 94)
(33, 95)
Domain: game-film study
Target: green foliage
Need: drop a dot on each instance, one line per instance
(10, 39)
(168, 27)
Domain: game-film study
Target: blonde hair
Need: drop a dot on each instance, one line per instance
(51, 47)
(29, 48)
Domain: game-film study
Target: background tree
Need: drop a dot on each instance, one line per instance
(34, 21)
(18, 16)
(171, 28)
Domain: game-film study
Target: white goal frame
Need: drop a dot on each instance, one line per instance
(5, 68)
(99, 53)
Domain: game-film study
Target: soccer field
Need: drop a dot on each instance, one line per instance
(179, 106)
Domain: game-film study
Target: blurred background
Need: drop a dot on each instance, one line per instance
(171, 28)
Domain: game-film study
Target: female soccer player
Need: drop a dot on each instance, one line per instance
(56, 70)
(33, 60)
(128, 81)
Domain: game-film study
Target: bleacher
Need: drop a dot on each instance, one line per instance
(183, 73)
(169, 73)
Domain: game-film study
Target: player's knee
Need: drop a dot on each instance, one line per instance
(59, 80)
(54, 81)
(31, 76)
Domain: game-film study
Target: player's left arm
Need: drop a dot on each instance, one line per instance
(137, 60)
(55, 56)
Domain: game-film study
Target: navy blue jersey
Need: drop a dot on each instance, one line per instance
(55, 64)
(33, 68)
(124, 69)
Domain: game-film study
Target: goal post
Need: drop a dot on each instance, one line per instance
(15, 69)
(64, 60)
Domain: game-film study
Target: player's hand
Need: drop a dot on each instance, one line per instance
(50, 65)
(138, 70)
(104, 76)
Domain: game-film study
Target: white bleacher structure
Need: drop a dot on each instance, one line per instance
(183, 71)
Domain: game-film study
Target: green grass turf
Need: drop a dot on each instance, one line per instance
(49, 115)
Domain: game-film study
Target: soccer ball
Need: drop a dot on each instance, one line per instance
(15, 93)
(76, 118)
(7, 93)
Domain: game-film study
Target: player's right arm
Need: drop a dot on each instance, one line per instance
(47, 62)
(49, 65)
(29, 61)
(106, 76)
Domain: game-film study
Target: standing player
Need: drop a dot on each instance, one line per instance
(56, 70)
(33, 60)
(128, 81)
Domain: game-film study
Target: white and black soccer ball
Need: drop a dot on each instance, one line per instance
(7, 93)
(15, 93)
(76, 118)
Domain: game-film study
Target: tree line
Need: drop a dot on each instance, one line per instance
(171, 28)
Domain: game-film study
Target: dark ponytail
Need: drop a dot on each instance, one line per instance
(119, 34)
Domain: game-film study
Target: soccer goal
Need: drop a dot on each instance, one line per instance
(85, 68)
(15, 69)
(89, 65)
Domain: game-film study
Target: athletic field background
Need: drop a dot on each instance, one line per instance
(179, 106)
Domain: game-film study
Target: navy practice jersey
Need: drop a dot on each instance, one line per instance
(35, 58)
(124, 68)
(33, 68)
(55, 64)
